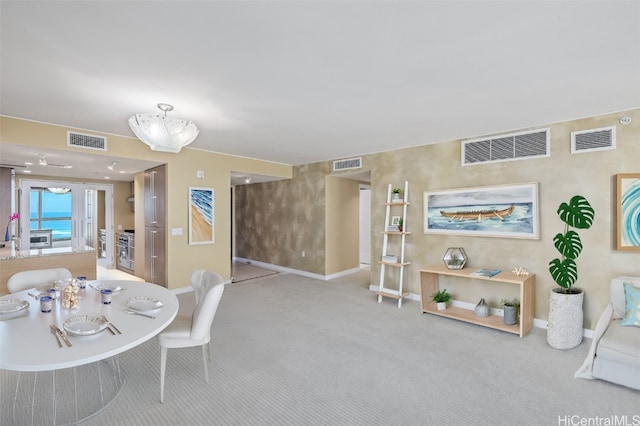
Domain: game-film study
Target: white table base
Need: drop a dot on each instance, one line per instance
(58, 397)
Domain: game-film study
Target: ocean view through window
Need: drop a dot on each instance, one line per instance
(51, 211)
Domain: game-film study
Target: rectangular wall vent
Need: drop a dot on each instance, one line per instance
(593, 140)
(81, 140)
(351, 163)
(508, 147)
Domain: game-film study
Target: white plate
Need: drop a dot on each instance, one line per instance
(84, 325)
(12, 305)
(142, 304)
(110, 285)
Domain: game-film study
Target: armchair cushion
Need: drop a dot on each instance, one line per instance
(620, 344)
(632, 306)
(614, 354)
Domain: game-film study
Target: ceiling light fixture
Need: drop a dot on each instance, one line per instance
(247, 179)
(59, 190)
(163, 133)
(112, 166)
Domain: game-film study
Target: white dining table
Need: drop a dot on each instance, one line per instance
(28, 345)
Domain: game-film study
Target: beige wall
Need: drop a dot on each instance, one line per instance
(342, 212)
(181, 171)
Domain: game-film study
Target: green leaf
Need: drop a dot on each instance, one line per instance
(564, 273)
(578, 213)
(569, 244)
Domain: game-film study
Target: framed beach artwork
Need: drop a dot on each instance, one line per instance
(201, 216)
(509, 211)
(628, 211)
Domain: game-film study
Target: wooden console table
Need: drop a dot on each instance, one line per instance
(429, 285)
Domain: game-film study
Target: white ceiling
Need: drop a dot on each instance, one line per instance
(297, 82)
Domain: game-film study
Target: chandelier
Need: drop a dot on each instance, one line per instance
(163, 133)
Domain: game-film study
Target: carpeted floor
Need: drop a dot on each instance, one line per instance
(291, 350)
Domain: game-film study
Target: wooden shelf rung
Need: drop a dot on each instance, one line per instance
(391, 294)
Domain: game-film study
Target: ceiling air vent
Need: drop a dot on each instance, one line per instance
(509, 147)
(81, 140)
(351, 163)
(593, 140)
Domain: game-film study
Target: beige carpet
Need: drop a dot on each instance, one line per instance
(291, 350)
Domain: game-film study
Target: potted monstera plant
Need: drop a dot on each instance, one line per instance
(564, 329)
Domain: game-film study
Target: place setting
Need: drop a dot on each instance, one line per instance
(13, 308)
(82, 326)
(143, 306)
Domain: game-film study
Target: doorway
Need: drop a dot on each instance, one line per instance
(71, 213)
(365, 225)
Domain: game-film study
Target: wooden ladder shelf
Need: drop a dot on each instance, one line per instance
(394, 230)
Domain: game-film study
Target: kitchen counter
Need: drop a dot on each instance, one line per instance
(80, 261)
(10, 252)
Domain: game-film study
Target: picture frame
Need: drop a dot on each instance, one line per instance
(628, 211)
(201, 216)
(506, 211)
(395, 220)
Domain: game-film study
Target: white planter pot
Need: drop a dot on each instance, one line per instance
(564, 329)
(442, 306)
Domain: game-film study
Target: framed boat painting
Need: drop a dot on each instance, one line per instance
(201, 216)
(508, 211)
(628, 211)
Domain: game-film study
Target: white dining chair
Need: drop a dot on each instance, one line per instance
(193, 329)
(36, 278)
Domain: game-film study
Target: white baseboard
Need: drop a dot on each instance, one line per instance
(279, 268)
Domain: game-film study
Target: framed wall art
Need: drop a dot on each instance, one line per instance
(201, 210)
(509, 211)
(628, 211)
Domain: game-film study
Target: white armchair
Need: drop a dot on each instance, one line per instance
(614, 355)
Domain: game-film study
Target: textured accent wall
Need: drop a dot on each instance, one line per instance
(560, 176)
(276, 221)
(283, 218)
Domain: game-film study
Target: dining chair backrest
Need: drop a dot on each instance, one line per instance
(36, 278)
(208, 288)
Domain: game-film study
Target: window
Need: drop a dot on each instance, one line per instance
(49, 210)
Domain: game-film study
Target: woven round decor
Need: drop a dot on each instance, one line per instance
(564, 330)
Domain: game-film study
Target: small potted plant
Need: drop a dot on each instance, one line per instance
(396, 194)
(511, 308)
(441, 297)
(400, 223)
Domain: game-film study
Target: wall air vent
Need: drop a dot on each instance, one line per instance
(81, 140)
(593, 140)
(349, 164)
(508, 147)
